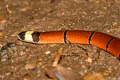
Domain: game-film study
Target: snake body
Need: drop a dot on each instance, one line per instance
(104, 41)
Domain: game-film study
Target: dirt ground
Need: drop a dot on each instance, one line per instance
(25, 61)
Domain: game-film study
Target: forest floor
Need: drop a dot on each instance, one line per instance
(26, 61)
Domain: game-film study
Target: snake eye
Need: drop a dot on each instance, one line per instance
(21, 35)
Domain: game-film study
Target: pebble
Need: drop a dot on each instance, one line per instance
(2, 23)
(29, 66)
(118, 78)
(40, 62)
(9, 48)
(89, 60)
(22, 53)
(2, 34)
(27, 78)
(47, 52)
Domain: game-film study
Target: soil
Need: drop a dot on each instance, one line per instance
(26, 61)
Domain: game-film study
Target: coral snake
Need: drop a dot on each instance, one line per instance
(104, 41)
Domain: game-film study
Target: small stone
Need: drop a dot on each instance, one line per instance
(118, 78)
(1, 46)
(47, 52)
(22, 53)
(40, 61)
(27, 78)
(29, 66)
(2, 34)
(89, 60)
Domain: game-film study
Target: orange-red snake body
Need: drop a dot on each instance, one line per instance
(104, 41)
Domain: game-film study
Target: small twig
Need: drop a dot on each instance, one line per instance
(8, 10)
(57, 58)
